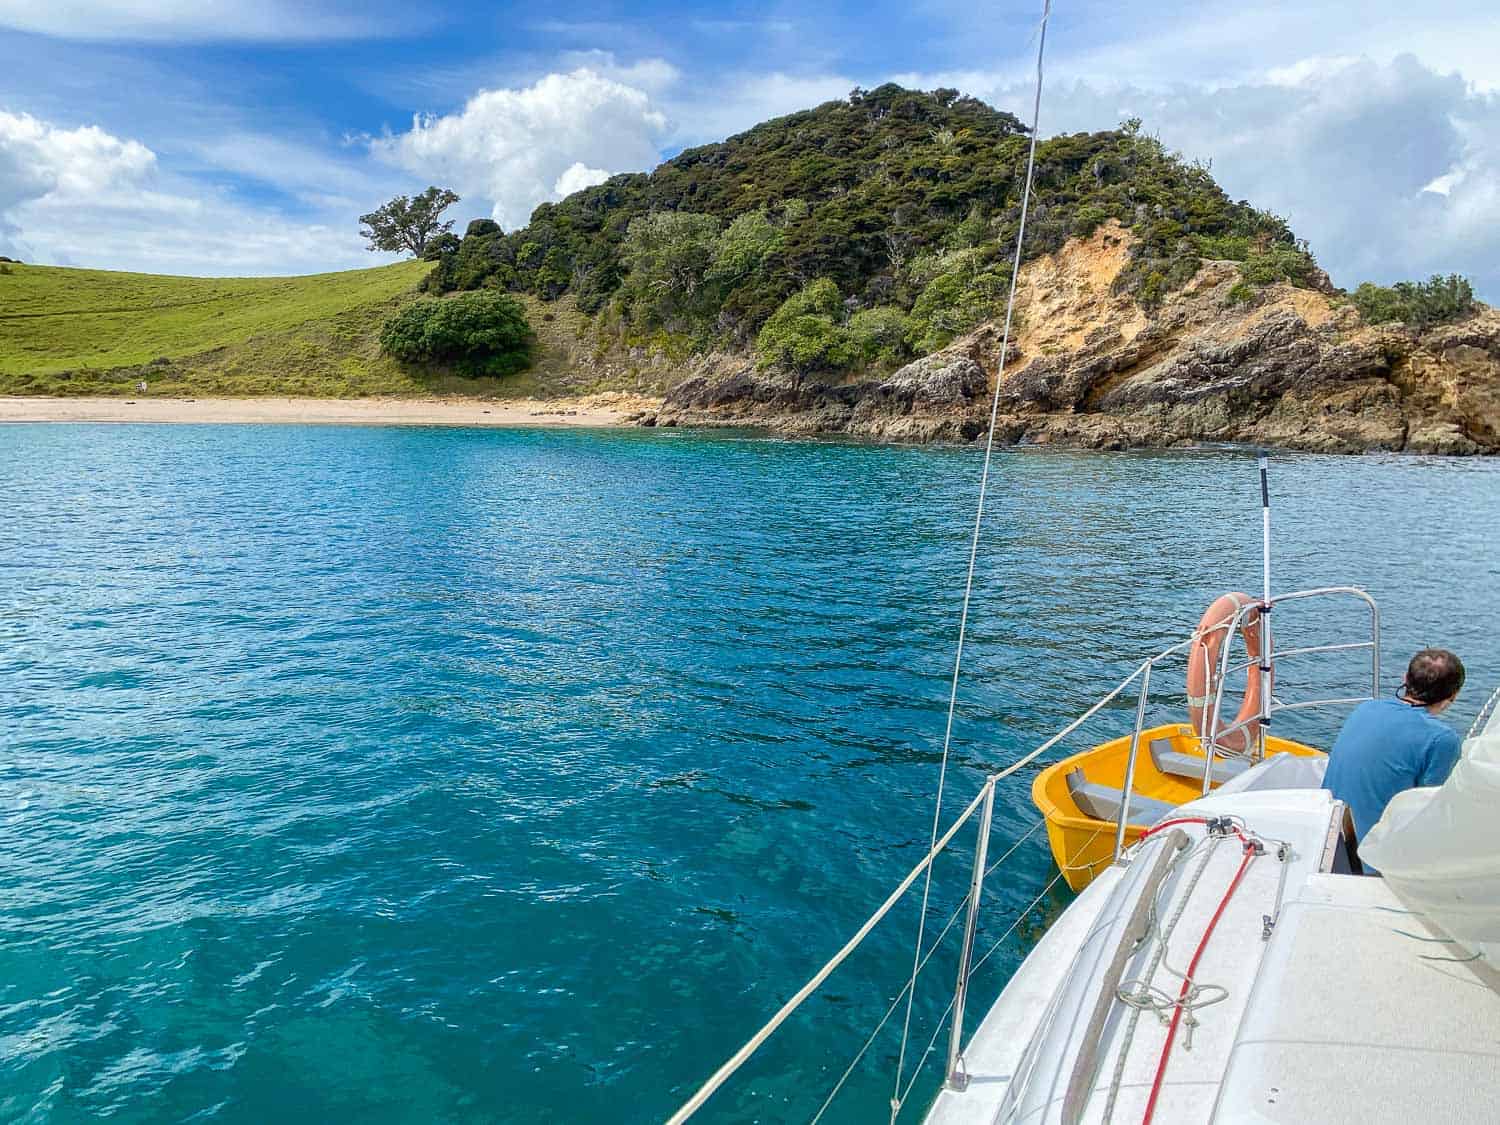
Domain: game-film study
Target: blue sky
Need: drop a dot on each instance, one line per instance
(218, 136)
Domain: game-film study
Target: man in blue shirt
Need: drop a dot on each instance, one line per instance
(1390, 745)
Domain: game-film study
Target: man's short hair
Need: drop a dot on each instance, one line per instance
(1434, 675)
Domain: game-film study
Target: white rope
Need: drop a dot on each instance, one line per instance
(1162, 936)
(984, 480)
(1142, 995)
(1484, 713)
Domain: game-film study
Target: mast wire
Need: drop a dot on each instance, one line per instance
(984, 480)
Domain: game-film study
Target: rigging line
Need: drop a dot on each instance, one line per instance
(936, 943)
(984, 480)
(1010, 851)
(889, 1012)
(737, 1060)
(1484, 713)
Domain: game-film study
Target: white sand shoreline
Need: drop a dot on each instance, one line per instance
(591, 410)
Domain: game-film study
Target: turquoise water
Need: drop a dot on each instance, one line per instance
(458, 775)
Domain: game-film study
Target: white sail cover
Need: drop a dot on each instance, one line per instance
(1439, 850)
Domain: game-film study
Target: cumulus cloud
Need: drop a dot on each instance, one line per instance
(517, 148)
(38, 161)
(576, 177)
(179, 20)
(83, 196)
(741, 101)
(1390, 170)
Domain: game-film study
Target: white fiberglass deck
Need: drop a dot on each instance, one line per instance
(1339, 1016)
(1353, 1018)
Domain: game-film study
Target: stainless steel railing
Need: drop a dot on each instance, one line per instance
(1213, 734)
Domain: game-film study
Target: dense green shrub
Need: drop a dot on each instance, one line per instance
(878, 335)
(482, 333)
(954, 302)
(743, 248)
(1278, 263)
(666, 256)
(1420, 303)
(807, 332)
(441, 246)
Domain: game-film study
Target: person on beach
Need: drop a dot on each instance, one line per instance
(1390, 745)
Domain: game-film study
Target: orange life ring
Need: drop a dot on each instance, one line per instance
(1203, 668)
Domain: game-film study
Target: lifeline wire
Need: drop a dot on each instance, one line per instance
(984, 480)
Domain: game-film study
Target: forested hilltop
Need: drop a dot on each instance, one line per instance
(862, 233)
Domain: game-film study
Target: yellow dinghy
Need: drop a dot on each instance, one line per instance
(1080, 796)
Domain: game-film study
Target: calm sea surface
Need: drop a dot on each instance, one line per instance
(451, 775)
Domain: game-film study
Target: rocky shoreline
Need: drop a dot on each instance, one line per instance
(1290, 368)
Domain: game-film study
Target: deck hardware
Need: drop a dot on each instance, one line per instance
(1138, 927)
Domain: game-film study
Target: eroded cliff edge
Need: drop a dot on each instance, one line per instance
(1293, 368)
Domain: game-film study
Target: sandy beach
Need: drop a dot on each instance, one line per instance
(591, 410)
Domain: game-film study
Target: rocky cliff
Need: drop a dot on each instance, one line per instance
(1288, 367)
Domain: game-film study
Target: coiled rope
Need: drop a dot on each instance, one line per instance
(984, 481)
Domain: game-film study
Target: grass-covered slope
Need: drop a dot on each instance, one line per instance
(93, 332)
(72, 331)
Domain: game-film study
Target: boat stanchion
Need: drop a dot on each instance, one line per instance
(1135, 745)
(957, 1079)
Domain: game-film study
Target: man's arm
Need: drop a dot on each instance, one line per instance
(1442, 755)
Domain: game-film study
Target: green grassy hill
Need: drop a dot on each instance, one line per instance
(92, 332)
(71, 331)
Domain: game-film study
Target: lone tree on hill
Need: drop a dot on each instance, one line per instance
(408, 223)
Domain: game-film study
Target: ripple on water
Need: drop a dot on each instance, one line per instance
(480, 775)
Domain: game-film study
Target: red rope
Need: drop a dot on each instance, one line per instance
(1187, 981)
(1155, 828)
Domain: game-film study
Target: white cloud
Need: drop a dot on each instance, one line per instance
(514, 147)
(183, 20)
(744, 100)
(576, 177)
(85, 197)
(38, 161)
(37, 158)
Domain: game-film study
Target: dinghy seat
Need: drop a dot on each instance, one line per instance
(1102, 802)
(1177, 764)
